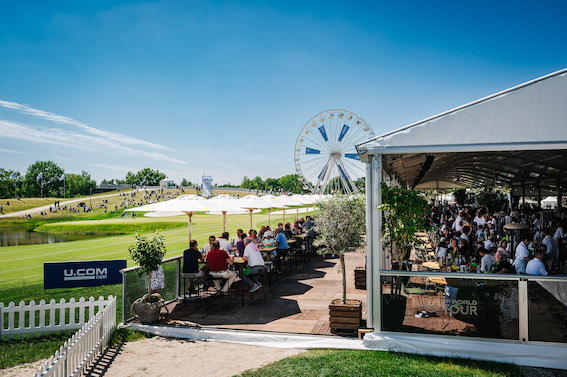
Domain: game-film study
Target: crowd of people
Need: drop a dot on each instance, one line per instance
(470, 239)
(260, 251)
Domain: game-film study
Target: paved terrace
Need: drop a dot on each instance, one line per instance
(297, 303)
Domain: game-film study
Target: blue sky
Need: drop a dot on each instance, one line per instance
(224, 87)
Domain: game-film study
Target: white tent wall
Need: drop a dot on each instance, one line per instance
(516, 138)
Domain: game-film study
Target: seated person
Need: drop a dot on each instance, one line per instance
(254, 235)
(296, 228)
(522, 254)
(486, 261)
(536, 266)
(282, 247)
(287, 231)
(240, 244)
(441, 251)
(256, 263)
(268, 240)
(225, 244)
(208, 247)
(501, 265)
(191, 259)
(218, 260)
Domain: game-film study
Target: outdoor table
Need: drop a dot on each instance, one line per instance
(437, 280)
(431, 265)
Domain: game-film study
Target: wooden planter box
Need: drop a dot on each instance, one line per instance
(360, 278)
(345, 318)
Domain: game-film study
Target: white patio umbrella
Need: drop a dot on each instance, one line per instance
(228, 205)
(288, 201)
(274, 202)
(251, 203)
(185, 204)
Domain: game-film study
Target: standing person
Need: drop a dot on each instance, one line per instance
(282, 248)
(308, 228)
(536, 266)
(218, 260)
(255, 261)
(522, 254)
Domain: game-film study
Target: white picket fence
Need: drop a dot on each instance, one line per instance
(81, 349)
(42, 318)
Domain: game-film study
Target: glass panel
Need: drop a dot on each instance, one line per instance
(465, 307)
(547, 311)
(137, 285)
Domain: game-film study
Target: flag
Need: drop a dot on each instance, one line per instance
(39, 176)
(13, 175)
(62, 177)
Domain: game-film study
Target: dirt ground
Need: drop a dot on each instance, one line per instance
(174, 357)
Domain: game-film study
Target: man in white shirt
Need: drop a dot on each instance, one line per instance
(489, 242)
(487, 260)
(559, 233)
(255, 261)
(225, 244)
(549, 243)
(536, 266)
(522, 254)
(208, 247)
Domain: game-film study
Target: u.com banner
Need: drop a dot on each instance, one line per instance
(82, 274)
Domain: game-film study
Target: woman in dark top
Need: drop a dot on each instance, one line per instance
(240, 245)
(287, 231)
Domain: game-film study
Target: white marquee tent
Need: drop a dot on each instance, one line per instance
(516, 138)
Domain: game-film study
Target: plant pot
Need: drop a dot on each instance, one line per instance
(147, 308)
(393, 311)
(360, 278)
(345, 318)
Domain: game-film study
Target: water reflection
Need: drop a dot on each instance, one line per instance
(25, 236)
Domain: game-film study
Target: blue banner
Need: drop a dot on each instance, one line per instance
(343, 132)
(82, 274)
(342, 172)
(312, 151)
(323, 133)
(354, 156)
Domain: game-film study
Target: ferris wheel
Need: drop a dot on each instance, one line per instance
(325, 154)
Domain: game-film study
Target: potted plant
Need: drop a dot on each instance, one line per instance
(341, 222)
(404, 213)
(147, 253)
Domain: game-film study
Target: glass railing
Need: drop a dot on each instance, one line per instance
(512, 307)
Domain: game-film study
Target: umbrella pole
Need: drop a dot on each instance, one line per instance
(268, 216)
(284, 216)
(190, 214)
(297, 214)
(251, 218)
(307, 206)
(224, 221)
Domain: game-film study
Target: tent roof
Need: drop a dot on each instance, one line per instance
(514, 136)
(530, 116)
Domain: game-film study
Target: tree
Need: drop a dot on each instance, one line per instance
(186, 182)
(148, 253)
(291, 183)
(79, 184)
(145, 177)
(7, 188)
(404, 215)
(51, 174)
(341, 222)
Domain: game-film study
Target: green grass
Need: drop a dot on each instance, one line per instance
(19, 351)
(107, 228)
(378, 363)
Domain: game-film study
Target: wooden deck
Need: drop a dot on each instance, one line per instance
(297, 303)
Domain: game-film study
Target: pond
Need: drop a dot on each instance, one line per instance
(14, 236)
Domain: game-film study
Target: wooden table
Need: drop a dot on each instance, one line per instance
(431, 265)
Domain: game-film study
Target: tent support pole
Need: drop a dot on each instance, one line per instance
(190, 214)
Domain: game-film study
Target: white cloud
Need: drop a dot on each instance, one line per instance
(113, 167)
(2, 150)
(60, 119)
(73, 139)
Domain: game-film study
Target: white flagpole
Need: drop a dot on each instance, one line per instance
(41, 185)
(64, 179)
